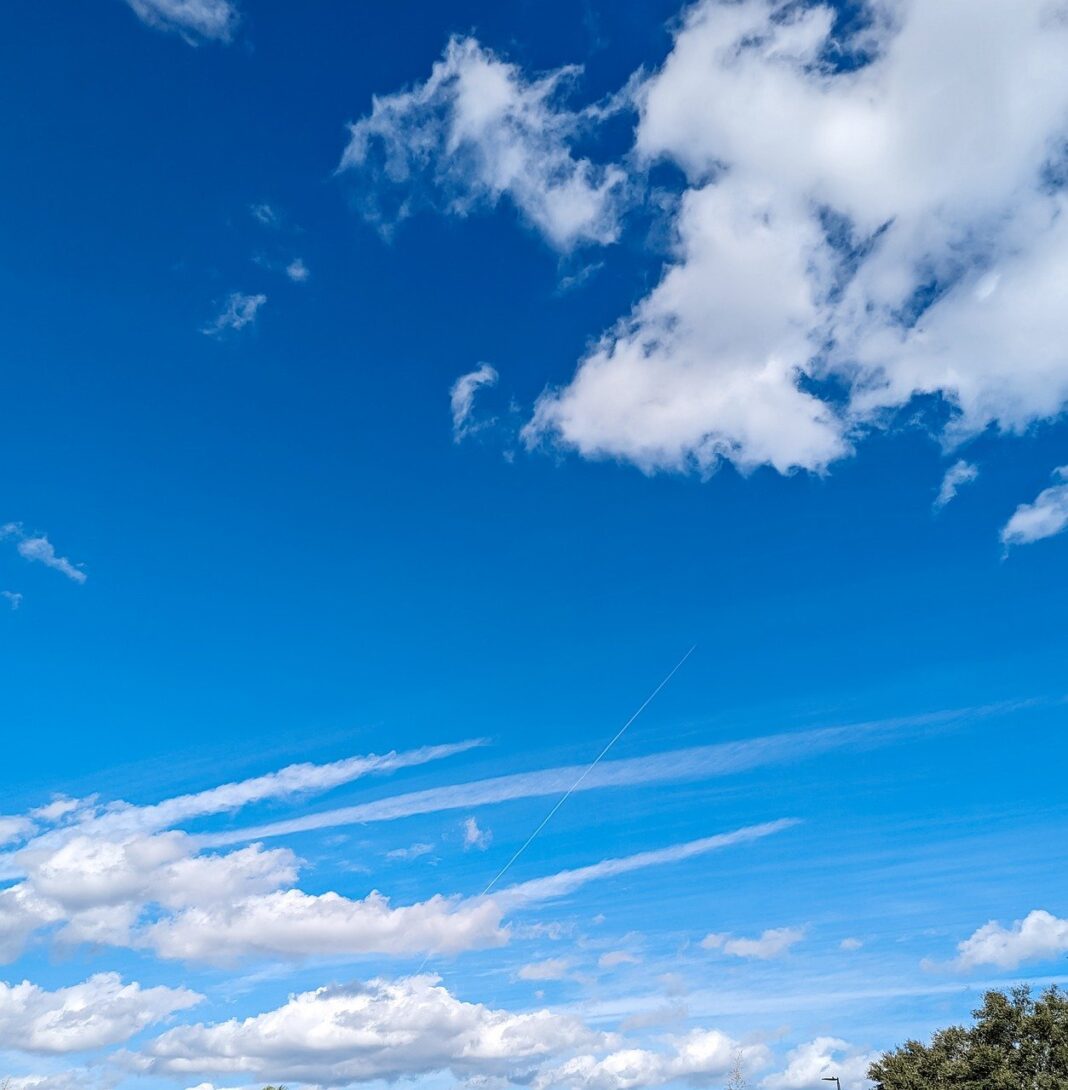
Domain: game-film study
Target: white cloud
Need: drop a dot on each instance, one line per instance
(1039, 936)
(960, 473)
(823, 205)
(295, 924)
(363, 1032)
(474, 836)
(413, 851)
(614, 958)
(772, 943)
(568, 881)
(37, 547)
(699, 1056)
(680, 765)
(850, 944)
(265, 214)
(15, 827)
(809, 1063)
(193, 19)
(100, 1011)
(1045, 517)
(12, 597)
(476, 131)
(297, 271)
(549, 969)
(462, 399)
(238, 311)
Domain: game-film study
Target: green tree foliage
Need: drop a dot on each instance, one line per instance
(1016, 1043)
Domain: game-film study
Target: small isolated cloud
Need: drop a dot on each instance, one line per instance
(550, 969)
(1045, 517)
(297, 271)
(239, 311)
(12, 597)
(413, 851)
(462, 399)
(37, 547)
(474, 837)
(195, 20)
(850, 944)
(824, 1057)
(264, 213)
(958, 474)
(614, 958)
(1039, 936)
(771, 944)
(476, 132)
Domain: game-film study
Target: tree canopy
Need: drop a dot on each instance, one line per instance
(1016, 1043)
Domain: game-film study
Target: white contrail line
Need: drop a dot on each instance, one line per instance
(571, 790)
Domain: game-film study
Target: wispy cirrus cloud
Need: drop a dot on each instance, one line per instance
(239, 311)
(194, 20)
(462, 399)
(681, 765)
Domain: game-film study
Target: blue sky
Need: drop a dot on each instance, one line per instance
(384, 378)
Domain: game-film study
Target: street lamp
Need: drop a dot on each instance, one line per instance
(834, 1079)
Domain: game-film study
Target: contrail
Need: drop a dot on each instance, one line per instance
(571, 790)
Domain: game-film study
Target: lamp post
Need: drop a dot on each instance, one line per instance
(834, 1079)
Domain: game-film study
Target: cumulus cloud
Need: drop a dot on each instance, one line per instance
(238, 311)
(100, 1011)
(958, 474)
(195, 20)
(363, 1032)
(478, 131)
(772, 943)
(614, 958)
(850, 944)
(462, 399)
(1046, 516)
(38, 548)
(475, 837)
(699, 1056)
(809, 1063)
(845, 242)
(1039, 936)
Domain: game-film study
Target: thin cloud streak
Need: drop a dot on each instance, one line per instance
(674, 766)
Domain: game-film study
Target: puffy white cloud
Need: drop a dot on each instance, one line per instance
(476, 131)
(15, 827)
(239, 310)
(462, 399)
(292, 923)
(38, 548)
(193, 19)
(770, 944)
(380, 1030)
(847, 241)
(1039, 936)
(100, 1011)
(960, 473)
(850, 944)
(1045, 517)
(825, 1056)
(708, 365)
(698, 1056)
(475, 836)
